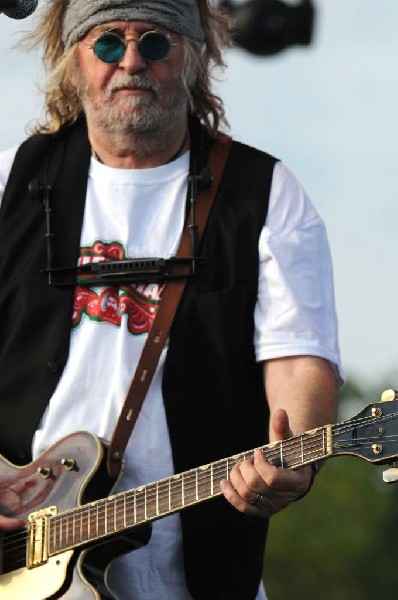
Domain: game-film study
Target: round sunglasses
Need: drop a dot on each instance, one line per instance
(110, 47)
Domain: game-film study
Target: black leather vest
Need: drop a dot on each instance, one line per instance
(212, 385)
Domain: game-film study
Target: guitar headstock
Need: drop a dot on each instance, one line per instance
(372, 434)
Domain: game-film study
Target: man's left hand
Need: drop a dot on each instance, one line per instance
(261, 489)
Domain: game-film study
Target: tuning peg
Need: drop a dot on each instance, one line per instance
(389, 395)
(391, 475)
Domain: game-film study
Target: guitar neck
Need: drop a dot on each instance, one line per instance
(117, 513)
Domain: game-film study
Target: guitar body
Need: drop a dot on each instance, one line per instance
(74, 529)
(71, 473)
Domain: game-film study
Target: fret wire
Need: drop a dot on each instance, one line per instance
(129, 520)
(106, 519)
(64, 531)
(128, 497)
(81, 526)
(312, 436)
(88, 523)
(52, 536)
(180, 481)
(96, 518)
(73, 529)
(120, 511)
(292, 444)
(61, 534)
(58, 534)
(108, 512)
(216, 465)
(141, 516)
(114, 512)
(60, 526)
(124, 509)
(131, 509)
(77, 528)
(216, 473)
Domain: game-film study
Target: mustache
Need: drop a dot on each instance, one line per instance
(138, 81)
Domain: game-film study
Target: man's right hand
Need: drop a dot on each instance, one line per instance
(9, 524)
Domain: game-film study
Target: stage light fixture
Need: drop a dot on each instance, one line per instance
(266, 27)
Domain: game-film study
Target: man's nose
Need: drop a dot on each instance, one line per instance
(132, 60)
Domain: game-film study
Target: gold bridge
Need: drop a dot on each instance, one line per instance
(38, 536)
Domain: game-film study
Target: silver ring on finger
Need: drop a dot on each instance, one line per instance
(257, 499)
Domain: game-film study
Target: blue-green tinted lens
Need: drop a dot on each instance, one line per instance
(154, 46)
(109, 48)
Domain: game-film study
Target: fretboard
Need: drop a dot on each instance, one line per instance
(117, 513)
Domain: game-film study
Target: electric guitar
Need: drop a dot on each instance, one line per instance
(74, 529)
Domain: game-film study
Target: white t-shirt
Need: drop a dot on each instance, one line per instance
(140, 213)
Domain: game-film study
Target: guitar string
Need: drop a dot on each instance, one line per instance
(216, 474)
(99, 533)
(188, 487)
(85, 514)
(222, 465)
(241, 456)
(219, 470)
(147, 505)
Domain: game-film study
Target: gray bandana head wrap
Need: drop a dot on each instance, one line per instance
(180, 16)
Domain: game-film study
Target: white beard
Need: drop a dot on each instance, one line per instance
(140, 124)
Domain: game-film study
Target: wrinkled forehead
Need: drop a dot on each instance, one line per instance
(179, 16)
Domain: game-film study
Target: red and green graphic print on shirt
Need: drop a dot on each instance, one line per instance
(136, 302)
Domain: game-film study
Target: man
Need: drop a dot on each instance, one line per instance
(130, 115)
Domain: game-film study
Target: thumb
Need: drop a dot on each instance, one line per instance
(280, 425)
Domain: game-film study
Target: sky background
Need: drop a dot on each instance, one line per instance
(330, 112)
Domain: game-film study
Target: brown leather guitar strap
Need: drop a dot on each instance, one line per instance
(160, 329)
